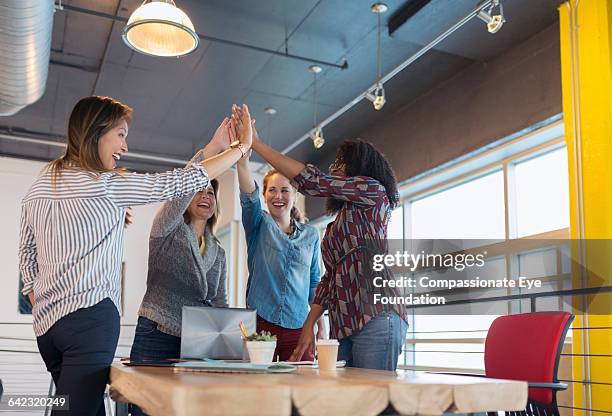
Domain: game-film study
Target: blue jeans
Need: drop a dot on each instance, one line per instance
(377, 345)
(78, 351)
(150, 344)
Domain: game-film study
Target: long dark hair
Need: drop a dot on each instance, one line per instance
(361, 158)
(212, 221)
(91, 118)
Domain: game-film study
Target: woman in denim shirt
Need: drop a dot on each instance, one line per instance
(361, 190)
(283, 259)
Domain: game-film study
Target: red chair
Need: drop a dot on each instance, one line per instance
(528, 347)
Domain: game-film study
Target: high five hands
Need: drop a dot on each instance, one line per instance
(236, 127)
(221, 140)
(242, 125)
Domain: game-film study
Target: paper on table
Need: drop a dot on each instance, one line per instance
(235, 367)
(339, 364)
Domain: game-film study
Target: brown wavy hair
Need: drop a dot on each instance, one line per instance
(295, 213)
(91, 118)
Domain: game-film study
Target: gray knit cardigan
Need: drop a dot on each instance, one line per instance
(178, 275)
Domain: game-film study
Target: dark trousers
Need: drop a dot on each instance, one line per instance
(78, 351)
(150, 344)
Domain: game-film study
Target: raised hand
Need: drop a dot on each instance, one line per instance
(244, 128)
(221, 140)
(256, 138)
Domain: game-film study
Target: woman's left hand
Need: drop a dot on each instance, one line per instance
(321, 329)
(221, 140)
(305, 342)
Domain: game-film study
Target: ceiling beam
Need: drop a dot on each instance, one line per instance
(391, 74)
(285, 54)
(402, 15)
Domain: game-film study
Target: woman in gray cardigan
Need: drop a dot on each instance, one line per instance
(186, 268)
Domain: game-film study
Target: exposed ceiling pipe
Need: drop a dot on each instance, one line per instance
(129, 155)
(391, 74)
(25, 47)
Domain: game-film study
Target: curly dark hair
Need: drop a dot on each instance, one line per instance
(361, 158)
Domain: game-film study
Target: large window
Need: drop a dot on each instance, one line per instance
(395, 229)
(521, 195)
(474, 209)
(542, 193)
(518, 189)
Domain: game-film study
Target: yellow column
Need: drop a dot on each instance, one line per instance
(586, 65)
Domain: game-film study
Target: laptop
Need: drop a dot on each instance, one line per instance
(214, 332)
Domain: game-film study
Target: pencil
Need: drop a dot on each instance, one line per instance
(243, 330)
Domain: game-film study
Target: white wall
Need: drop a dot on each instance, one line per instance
(16, 177)
(21, 368)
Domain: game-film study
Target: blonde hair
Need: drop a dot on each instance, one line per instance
(212, 221)
(91, 118)
(295, 213)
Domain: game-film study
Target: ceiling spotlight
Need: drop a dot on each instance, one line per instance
(379, 8)
(270, 111)
(494, 22)
(377, 97)
(315, 69)
(159, 28)
(317, 138)
(317, 135)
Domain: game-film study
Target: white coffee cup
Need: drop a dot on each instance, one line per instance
(327, 354)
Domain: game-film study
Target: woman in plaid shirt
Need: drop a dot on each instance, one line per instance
(361, 191)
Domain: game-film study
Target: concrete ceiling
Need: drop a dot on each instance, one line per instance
(178, 103)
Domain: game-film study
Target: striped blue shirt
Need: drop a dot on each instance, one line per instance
(71, 241)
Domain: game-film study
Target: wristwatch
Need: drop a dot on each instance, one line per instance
(239, 146)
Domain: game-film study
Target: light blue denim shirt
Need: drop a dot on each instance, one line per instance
(283, 270)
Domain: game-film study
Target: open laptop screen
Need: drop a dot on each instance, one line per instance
(214, 332)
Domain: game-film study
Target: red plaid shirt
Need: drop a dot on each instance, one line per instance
(345, 290)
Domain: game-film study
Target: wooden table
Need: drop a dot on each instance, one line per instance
(350, 391)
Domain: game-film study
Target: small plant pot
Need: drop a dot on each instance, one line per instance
(261, 352)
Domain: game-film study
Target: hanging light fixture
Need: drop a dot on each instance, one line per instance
(377, 96)
(159, 28)
(317, 138)
(494, 22)
(317, 135)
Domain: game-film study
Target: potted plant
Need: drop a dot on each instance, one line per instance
(261, 347)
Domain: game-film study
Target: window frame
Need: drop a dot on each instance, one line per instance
(530, 147)
(503, 155)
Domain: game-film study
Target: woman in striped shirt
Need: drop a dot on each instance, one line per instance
(71, 242)
(361, 191)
